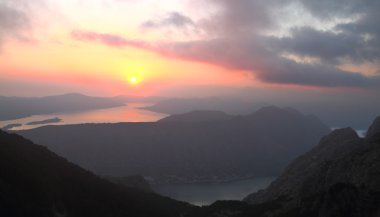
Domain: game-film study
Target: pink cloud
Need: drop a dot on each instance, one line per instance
(250, 55)
(109, 39)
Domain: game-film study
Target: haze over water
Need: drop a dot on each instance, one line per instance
(129, 113)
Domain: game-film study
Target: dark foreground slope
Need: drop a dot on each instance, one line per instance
(260, 144)
(338, 178)
(35, 182)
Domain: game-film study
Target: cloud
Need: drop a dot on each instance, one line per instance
(328, 9)
(356, 39)
(117, 41)
(236, 39)
(243, 45)
(109, 39)
(253, 57)
(172, 19)
(12, 21)
(325, 45)
(241, 17)
(267, 66)
(284, 71)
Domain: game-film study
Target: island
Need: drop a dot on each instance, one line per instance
(47, 121)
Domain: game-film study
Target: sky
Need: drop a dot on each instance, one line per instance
(179, 47)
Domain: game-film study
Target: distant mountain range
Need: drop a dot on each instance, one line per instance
(35, 182)
(198, 116)
(336, 113)
(185, 105)
(259, 144)
(21, 107)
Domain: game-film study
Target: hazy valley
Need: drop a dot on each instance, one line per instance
(256, 145)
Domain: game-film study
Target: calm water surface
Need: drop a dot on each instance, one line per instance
(129, 113)
(207, 193)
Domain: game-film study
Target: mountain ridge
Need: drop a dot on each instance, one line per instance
(36, 182)
(185, 152)
(343, 166)
(198, 116)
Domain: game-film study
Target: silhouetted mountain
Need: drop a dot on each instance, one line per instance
(339, 177)
(185, 105)
(35, 182)
(373, 133)
(260, 144)
(20, 107)
(198, 116)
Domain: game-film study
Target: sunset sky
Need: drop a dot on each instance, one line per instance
(98, 46)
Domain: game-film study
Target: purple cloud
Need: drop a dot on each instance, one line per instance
(12, 22)
(175, 19)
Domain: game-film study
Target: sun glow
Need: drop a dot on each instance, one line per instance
(134, 80)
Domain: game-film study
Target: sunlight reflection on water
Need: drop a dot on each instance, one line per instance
(129, 113)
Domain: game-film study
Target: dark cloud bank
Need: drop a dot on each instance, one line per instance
(236, 41)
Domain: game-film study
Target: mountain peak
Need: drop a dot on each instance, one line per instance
(270, 110)
(340, 135)
(373, 133)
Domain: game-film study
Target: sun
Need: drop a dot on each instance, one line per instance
(134, 80)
